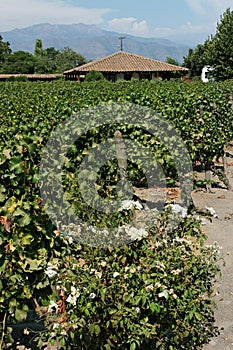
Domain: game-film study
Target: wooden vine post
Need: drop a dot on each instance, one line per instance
(126, 188)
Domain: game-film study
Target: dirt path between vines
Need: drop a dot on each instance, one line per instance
(221, 231)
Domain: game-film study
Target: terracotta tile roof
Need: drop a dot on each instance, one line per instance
(126, 62)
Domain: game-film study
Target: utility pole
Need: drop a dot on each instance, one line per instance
(121, 38)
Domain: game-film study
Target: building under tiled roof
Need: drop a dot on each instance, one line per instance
(126, 62)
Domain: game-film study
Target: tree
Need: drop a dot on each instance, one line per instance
(67, 59)
(171, 60)
(5, 50)
(50, 58)
(94, 75)
(41, 60)
(222, 48)
(38, 50)
(47, 60)
(19, 62)
(51, 53)
(198, 58)
(174, 62)
(217, 51)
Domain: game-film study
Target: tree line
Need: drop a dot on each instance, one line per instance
(216, 51)
(42, 61)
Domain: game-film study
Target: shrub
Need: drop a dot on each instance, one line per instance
(154, 293)
(17, 78)
(94, 75)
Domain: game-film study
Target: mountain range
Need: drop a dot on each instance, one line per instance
(91, 41)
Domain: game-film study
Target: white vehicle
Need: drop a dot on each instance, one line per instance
(206, 74)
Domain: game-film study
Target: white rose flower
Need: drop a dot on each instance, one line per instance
(70, 239)
(135, 233)
(92, 296)
(211, 211)
(132, 270)
(26, 331)
(51, 270)
(98, 274)
(72, 298)
(179, 210)
(164, 294)
(52, 306)
(129, 205)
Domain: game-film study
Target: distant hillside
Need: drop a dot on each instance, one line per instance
(91, 41)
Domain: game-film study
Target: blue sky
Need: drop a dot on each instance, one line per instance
(187, 21)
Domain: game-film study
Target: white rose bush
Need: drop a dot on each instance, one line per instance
(153, 293)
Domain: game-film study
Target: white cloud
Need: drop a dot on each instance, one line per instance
(187, 33)
(140, 28)
(220, 5)
(22, 13)
(190, 28)
(129, 25)
(209, 7)
(196, 6)
(187, 28)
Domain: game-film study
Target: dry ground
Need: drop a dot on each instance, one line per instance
(221, 231)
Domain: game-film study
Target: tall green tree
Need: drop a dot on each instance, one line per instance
(38, 49)
(222, 48)
(5, 50)
(41, 61)
(217, 51)
(67, 59)
(198, 57)
(50, 60)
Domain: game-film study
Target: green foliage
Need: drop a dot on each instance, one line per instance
(123, 311)
(216, 51)
(153, 293)
(94, 75)
(171, 60)
(17, 78)
(198, 58)
(19, 62)
(222, 51)
(51, 61)
(43, 61)
(38, 50)
(67, 59)
(5, 50)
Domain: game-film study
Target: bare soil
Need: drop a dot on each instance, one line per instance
(221, 230)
